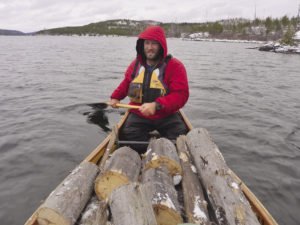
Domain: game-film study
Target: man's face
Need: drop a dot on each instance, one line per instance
(151, 49)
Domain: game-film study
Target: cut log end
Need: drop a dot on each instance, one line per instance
(174, 167)
(162, 152)
(47, 216)
(109, 181)
(166, 215)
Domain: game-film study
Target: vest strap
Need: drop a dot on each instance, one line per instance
(134, 69)
(166, 60)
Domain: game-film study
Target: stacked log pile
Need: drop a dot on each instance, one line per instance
(118, 185)
(133, 191)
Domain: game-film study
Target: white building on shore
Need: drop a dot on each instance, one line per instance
(297, 36)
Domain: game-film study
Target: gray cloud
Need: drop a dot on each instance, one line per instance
(32, 15)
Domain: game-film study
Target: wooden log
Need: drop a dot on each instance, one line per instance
(195, 204)
(65, 203)
(120, 169)
(162, 152)
(95, 213)
(163, 196)
(224, 193)
(129, 205)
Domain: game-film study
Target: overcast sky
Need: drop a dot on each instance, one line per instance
(34, 15)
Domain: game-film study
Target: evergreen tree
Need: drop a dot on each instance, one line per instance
(269, 24)
(288, 37)
(285, 21)
(277, 25)
(294, 22)
(215, 28)
(256, 22)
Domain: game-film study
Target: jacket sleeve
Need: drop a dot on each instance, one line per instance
(177, 82)
(121, 91)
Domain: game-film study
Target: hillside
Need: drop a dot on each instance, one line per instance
(10, 32)
(267, 29)
(110, 27)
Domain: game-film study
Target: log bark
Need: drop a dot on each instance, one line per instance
(95, 213)
(163, 196)
(225, 196)
(129, 205)
(123, 167)
(195, 204)
(65, 203)
(162, 152)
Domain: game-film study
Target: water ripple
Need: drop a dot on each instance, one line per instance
(248, 100)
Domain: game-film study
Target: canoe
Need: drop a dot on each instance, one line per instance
(264, 217)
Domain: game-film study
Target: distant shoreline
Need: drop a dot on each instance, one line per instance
(116, 36)
(263, 45)
(224, 40)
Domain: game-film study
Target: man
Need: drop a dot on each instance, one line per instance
(158, 83)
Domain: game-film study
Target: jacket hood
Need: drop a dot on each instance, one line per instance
(155, 33)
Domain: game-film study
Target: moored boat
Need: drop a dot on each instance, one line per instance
(264, 217)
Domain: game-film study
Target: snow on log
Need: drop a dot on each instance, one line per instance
(120, 169)
(64, 205)
(194, 202)
(225, 196)
(162, 152)
(130, 205)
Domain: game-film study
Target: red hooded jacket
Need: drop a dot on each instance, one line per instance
(175, 77)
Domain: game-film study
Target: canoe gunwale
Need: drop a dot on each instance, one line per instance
(97, 153)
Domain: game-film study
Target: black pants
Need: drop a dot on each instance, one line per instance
(137, 129)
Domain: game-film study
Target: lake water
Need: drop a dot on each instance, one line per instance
(248, 100)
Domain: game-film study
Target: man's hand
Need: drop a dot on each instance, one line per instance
(113, 102)
(148, 109)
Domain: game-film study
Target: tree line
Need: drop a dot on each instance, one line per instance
(258, 29)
